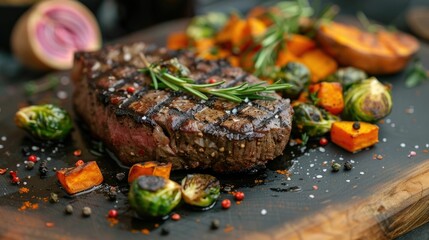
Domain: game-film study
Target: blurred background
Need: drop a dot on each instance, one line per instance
(118, 18)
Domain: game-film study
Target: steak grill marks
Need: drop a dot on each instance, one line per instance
(112, 82)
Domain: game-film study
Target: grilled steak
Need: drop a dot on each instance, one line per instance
(168, 126)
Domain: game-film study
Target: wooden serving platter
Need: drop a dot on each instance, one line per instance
(377, 199)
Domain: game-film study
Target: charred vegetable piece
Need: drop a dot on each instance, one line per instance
(80, 178)
(46, 122)
(206, 26)
(347, 76)
(329, 96)
(154, 196)
(353, 139)
(201, 190)
(367, 101)
(312, 120)
(295, 74)
(149, 168)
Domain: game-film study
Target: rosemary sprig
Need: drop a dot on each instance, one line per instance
(171, 74)
(273, 40)
(416, 74)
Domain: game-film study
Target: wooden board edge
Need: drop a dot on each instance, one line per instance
(398, 207)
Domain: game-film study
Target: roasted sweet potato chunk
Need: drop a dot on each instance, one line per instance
(381, 52)
(354, 138)
(149, 168)
(80, 178)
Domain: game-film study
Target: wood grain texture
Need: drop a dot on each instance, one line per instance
(396, 208)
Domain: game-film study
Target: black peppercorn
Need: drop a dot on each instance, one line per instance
(215, 224)
(165, 231)
(356, 125)
(336, 167)
(43, 169)
(348, 166)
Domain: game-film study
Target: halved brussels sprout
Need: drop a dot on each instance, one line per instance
(46, 122)
(154, 196)
(367, 101)
(295, 74)
(347, 76)
(201, 190)
(312, 120)
(206, 26)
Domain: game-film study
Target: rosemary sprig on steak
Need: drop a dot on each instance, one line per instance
(173, 75)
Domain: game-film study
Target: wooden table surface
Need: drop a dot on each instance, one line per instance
(378, 199)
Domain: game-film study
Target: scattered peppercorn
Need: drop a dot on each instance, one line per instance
(77, 153)
(12, 173)
(112, 194)
(212, 80)
(15, 179)
(226, 203)
(215, 224)
(113, 213)
(239, 196)
(175, 217)
(43, 169)
(54, 198)
(79, 162)
(323, 141)
(335, 167)
(131, 90)
(32, 158)
(165, 231)
(348, 166)
(120, 176)
(356, 125)
(69, 209)
(29, 165)
(86, 211)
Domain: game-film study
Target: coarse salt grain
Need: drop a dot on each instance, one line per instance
(1, 146)
(3, 138)
(402, 145)
(319, 176)
(263, 212)
(348, 180)
(311, 196)
(321, 149)
(362, 173)
(416, 147)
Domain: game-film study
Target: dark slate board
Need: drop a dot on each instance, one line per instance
(378, 198)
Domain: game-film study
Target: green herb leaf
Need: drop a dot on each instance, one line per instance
(416, 74)
(168, 74)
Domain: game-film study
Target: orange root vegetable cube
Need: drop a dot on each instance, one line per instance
(285, 56)
(300, 44)
(149, 168)
(319, 63)
(351, 139)
(329, 95)
(178, 40)
(80, 178)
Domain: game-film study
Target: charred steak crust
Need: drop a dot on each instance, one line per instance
(163, 125)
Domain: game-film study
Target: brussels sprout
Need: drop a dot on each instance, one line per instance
(312, 120)
(206, 26)
(347, 76)
(367, 101)
(201, 190)
(46, 122)
(295, 74)
(154, 196)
